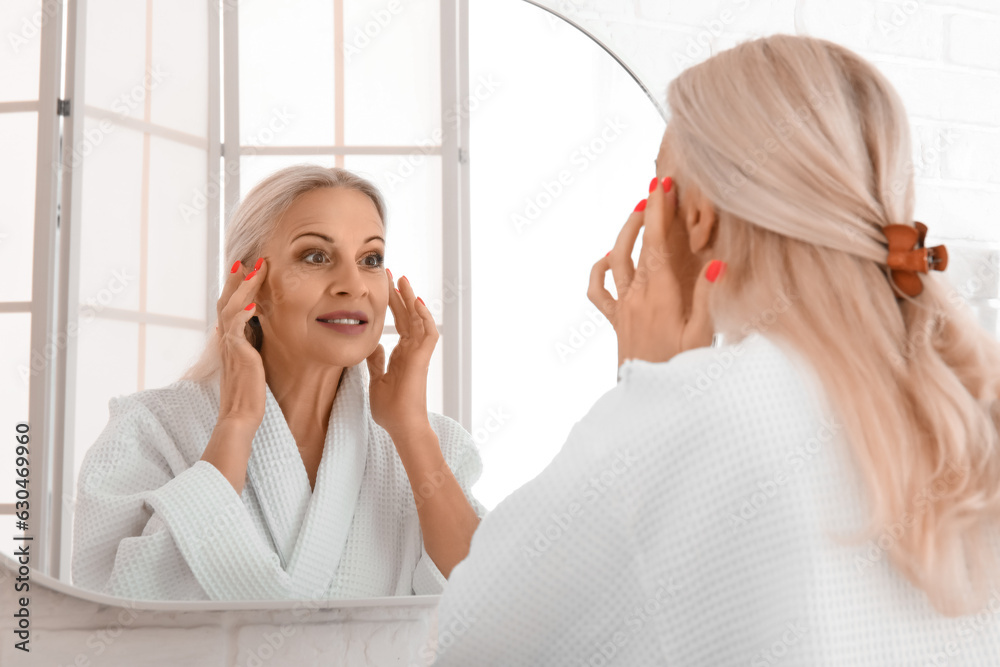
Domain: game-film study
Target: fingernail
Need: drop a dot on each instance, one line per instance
(404, 278)
(607, 253)
(397, 291)
(235, 266)
(260, 260)
(421, 300)
(715, 270)
(390, 273)
(250, 306)
(652, 183)
(667, 183)
(251, 274)
(641, 206)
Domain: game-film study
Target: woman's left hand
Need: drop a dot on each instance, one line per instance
(648, 316)
(398, 396)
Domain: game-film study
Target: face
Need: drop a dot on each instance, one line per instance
(326, 255)
(683, 261)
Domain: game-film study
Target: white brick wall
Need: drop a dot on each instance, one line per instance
(973, 41)
(943, 56)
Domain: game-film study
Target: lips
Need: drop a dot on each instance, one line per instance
(345, 314)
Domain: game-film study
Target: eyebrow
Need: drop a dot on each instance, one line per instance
(331, 241)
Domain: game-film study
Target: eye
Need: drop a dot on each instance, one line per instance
(378, 259)
(311, 252)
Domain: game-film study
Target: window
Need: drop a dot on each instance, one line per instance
(158, 93)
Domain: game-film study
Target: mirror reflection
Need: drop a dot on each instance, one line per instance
(301, 446)
(327, 459)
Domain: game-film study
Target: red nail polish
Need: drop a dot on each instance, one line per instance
(404, 278)
(667, 183)
(652, 183)
(397, 291)
(250, 306)
(251, 274)
(641, 206)
(421, 300)
(390, 274)
(715, 270)
(607, 253)
(235, 266)
(260, 260)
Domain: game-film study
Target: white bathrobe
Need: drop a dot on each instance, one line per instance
(153, 521)
(683, 523)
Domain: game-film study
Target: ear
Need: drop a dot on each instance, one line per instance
(701, 221)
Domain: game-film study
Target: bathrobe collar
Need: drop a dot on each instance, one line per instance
(309, 527)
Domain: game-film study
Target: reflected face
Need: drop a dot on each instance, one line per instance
(326, 255)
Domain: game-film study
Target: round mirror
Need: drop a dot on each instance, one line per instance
(560, 154)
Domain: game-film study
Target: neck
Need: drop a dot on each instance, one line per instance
(304, 390)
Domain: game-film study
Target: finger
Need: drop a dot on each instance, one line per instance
(699, 329)
(235, 324)
(431, 333)
(376, 363)
(597, 293)
(416, 324)
(246, 291)
(232, 281)
(654, 257)
(661, 207)
(622, 268)
(398, 308)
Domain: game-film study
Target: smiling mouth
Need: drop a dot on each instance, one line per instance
(342, 320)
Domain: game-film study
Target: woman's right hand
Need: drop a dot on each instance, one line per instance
(242, 385)
(648, 315)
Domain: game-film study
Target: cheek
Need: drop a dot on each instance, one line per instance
(287, 288)
(381, 305)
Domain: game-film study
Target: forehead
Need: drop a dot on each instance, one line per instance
(349, 212)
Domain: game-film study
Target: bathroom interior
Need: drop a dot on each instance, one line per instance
(507, 137)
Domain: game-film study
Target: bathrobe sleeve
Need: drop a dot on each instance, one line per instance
(518, 598)
(148, 525)
(462, 456)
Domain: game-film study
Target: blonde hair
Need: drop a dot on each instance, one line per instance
(804, 148)
(252, 225)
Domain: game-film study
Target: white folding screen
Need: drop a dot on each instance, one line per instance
(144, 226)
(21, 24)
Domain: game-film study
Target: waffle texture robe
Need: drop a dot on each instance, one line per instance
(153, 521)
(688, 520)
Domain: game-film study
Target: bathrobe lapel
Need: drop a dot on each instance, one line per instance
(309, 527)
(278, 478)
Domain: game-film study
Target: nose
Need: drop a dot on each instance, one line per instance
(347, 279)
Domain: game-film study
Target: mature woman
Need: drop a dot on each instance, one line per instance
(823, 488)
(288, 462)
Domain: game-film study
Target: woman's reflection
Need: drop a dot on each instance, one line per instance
(287, 462)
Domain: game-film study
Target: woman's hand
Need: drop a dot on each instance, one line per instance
(398, 396)
(648, 316)
(242, 384)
